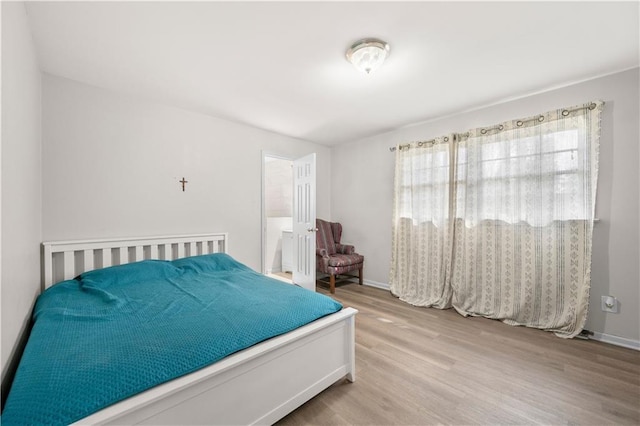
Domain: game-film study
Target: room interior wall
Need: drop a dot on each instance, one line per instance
(278, 187)
(278, 192)
(273, 249)
(21, 181)
(364, 203)
(111, 166)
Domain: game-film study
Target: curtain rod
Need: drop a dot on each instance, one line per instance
(500, 127)
(420, 143)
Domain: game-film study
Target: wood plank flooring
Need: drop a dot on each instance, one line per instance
(419, 366)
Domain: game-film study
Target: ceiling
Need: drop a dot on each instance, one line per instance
(281, 66)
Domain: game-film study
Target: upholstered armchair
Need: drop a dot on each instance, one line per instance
(333, 258)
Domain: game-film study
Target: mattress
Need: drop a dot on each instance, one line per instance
(114, 332)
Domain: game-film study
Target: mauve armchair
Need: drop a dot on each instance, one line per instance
(333, 258)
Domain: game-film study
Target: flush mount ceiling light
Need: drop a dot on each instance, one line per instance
(368, 54)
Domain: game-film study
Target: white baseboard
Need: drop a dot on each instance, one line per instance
(376, 284)
(615, 340)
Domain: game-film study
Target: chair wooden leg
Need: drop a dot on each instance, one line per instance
(360, 276)
(332, 283)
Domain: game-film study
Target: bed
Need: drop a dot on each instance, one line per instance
(256, 385)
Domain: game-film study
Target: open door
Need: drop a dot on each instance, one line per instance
(304, 222)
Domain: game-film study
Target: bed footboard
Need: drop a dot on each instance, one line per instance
(258, 385)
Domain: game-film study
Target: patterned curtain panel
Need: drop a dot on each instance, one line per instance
(422, 225)
(536, 276)
(525, 199)
(509, 235)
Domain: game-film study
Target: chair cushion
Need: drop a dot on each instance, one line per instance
(345, 259)
(324, 237)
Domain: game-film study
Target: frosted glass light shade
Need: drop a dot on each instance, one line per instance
(368, 54)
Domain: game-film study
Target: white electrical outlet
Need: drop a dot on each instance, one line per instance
(610, 304)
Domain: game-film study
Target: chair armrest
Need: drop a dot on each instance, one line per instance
(345, 249)
(322, 260)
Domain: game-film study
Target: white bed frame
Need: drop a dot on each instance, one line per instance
(258, 385)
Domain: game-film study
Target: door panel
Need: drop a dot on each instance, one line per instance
(304, 222)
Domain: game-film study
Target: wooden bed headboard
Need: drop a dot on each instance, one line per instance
(64, 260)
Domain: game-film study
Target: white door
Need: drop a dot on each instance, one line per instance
(304, 222)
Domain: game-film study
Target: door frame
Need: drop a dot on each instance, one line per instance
(263, 209)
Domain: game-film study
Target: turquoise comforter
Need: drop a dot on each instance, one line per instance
(114, 332)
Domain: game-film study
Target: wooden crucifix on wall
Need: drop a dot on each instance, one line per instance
(183, 182)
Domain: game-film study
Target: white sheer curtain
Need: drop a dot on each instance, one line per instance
(422, 225)
(523, 196)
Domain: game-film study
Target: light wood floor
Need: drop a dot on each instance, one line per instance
(418, 366)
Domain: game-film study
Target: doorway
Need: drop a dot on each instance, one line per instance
(277, 239)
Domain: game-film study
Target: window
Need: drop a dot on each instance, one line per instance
(532, 178)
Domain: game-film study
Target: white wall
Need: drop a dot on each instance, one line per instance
(278, 187)
(273, 246)
(278, 205)
(111, 165)
(363, 204)
(21, 179)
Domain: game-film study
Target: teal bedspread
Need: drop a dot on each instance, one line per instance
(114, 332)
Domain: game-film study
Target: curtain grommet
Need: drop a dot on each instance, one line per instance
(483, 131)
(565, 113)
(519, 123)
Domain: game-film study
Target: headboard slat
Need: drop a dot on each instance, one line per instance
(106, 257)
(74, 257)
(88, 260)
(168, 251)
(69, 262)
